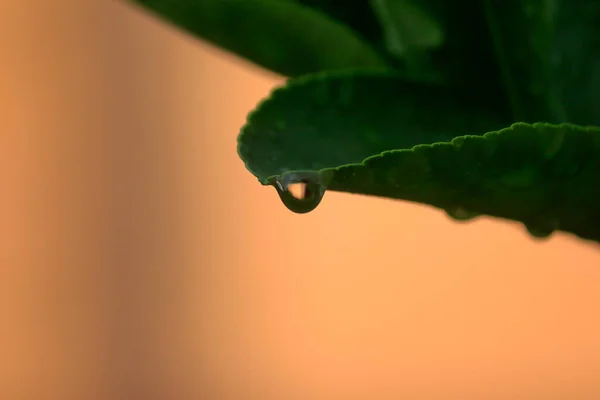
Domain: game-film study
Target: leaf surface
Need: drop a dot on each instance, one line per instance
(406, 26)
(549, 51)
(281, 35)
(358, 15)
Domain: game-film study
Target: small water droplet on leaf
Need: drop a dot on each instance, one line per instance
(461, 214)
(542, 228)
(300, 192)
(539, 232)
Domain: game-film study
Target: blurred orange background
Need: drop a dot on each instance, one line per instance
(140, 260)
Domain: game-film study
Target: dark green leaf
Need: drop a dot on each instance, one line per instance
(407, 26)
(466, 56)
(280, 35)
(391, 24)
(550, 54)
(358, 15)
(409, 32)
(372, 133)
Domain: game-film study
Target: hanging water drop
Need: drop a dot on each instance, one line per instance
(542, 227)
(310, 193)
(539, 232)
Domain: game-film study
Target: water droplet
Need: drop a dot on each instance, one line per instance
(301, 192)
(542, 228)
(539, 232)
(461, 214)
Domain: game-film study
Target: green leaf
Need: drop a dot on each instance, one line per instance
(550, 54)
(358, 15)
(407, 26)
(409, 32)
(373, 133)
(280, 35)
(466, 56)
(392, 26)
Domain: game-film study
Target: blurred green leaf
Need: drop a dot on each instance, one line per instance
(550, 54)
(466, 56)
(407, 26)
(445, 43)
(409, 32)
(281, 35)
(358, 15)
(374, 133)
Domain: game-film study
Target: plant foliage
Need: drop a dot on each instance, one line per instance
(492, 108)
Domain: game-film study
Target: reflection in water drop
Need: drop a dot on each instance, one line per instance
(301, 192)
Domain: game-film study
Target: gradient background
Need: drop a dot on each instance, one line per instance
(140, 260)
